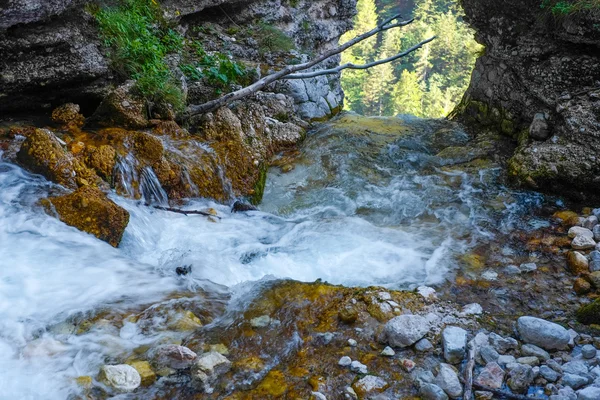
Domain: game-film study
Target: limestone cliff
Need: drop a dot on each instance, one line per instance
(539, 82)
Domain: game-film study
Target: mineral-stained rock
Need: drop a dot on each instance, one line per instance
(121, 107)
(491, 376)
(542, 333)
(207, 368)
(43, 154)
(577, 263)
(123, 378)
(68, 114)
(581, 286)
(102, 159)
(147, 375)
(88, 209)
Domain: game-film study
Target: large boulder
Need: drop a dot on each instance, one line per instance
(88, 209)
(542, 333)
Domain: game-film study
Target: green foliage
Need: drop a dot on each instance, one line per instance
(440, 71)
(569, 7)
(138, 43)
(271, 39)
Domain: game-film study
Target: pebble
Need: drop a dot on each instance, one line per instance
(358, 367)
(407, 364)
(352, 343)
(549, 374)
(588, 351)
(447, 379)
(574, 381)
(583, 243)
(423, 345)
(345, 361)
(123, 378)
(405, 330)
(454, 340)
(528, 267)
(388, 352)
(579, 231)
(318, 396)
(491, 376)
(533, 350)
(429, 391)
(472, 309)
(542, 333)
(520, 378)
(427, 292)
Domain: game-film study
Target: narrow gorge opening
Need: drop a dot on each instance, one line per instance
(426, 83)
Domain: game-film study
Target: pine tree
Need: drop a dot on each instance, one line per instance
(408, 95)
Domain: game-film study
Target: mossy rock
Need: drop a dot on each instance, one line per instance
(102, 159)
(590, 313)
(88, 209)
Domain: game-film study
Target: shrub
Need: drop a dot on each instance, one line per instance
(272, 39)
(569, 7)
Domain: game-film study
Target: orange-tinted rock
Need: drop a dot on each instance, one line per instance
(577, 263)
(88, 209)
(43, 154)
(102, 159)
(68, 115)
(581, 286)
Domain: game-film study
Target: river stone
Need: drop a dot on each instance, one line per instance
(531, 360)
(574, 381)
(596, 232)
(488, 354)
(595, 260)
(512, 270)
(505, 360)
(370, 384)
(533, 350)
(583, 243)
(491, 376)
(447, 379)
(423, 345)
(501, 344)
(388, 352)
(345, 361)
(405, 330)
(172, 356)
(207, 368)
(429, 391)
(528, 267)
(575, 368)
(577, 263)
(588, 351)
(542, 333)
(123, 378)
(358, 367)
(589, 393)
(554, 365)
(454, 340)
(549, 374)
(520, 377)
(581, 286)
(580, 231)
(590, 222)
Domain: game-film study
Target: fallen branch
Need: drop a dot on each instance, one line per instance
(469, 373)
(360, 66)
(291, 69)
(186, 212)
(503, 394)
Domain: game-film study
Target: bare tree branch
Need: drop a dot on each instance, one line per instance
(290, 69)
(340, 68)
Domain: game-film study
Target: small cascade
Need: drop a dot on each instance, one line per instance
(152, 191)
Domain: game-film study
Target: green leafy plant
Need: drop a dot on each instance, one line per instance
(138, 42)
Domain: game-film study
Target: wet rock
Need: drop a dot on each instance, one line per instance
(483, 395)
(574, 381)
(423, 345)
(260, 322)
(369, 384)
(502, 344)
(123, 378)
(491, 376)
(533, 350)
(588, 351)
(405, 330)
(206, 370)
(388, 352)
(594, 261)
(429, 391)
(239, 206)
(575, 231)
(173, 356)
(358, 367)
(542, 333)
(589, 393)
(583, 243)
(512, 270)
(42, 153)
(345, 361)
(183, 270)
(121, 107)
(520, 378)
(102, 159)
(581, 286)
(577, 263)
(147, 375)
(489, 354)
(528, 267)
(454, 340)
(549, 374)
(88, 209)
(448, 380)
(68, 114)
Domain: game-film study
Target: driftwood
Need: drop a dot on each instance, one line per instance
(186, 212)
(504, 395)
(292, 69)
(469, 373)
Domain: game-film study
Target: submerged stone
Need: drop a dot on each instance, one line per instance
(123, 378)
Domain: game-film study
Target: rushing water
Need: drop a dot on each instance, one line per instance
(364, 205)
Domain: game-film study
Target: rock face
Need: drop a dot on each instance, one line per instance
(538, 82)
(89, 210)
(542, 333)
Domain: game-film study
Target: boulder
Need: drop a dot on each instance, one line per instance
(88, 209)
(448, 380)
(542, 333)
(405, 330)
(123, 378)
(454, 340)
(206, 370)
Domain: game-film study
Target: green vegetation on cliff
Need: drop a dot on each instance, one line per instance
(429, 82)
(568, 7)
